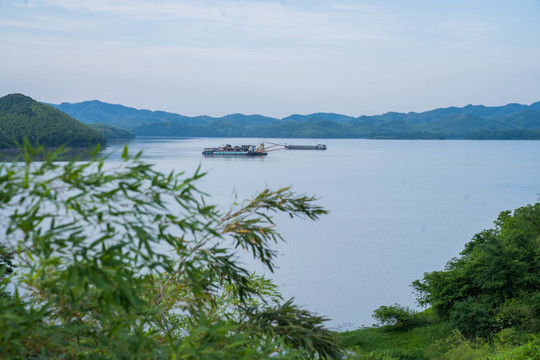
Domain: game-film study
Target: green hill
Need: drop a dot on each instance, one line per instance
(21, 116)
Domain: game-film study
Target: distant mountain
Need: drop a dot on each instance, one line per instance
(21, 116)
(449, 123)
(319, 116)
(526, 119)
(248, 120)
(96, 111)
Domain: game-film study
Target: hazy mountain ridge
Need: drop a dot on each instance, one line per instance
(451, 122)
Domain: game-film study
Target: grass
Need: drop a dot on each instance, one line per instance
(391, 337)
(427, 338)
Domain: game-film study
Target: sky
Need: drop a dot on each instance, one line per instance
(273, 58)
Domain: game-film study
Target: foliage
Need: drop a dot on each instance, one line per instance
(22, 117)
(485, 304)
(6, 262)
(6, 268)
(393, 315)
(498, 268)
(458, 347)
(520, 313)
(527, 351)
(117, 260)
(471, 319)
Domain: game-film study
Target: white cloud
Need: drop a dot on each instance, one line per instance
(259, 20)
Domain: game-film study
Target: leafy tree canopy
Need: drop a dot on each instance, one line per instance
(393, 315)
(498, 271)
(118, 260)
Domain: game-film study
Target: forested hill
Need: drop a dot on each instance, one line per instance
(22, 116)
(512, 121)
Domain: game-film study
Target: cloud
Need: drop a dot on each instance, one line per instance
(260, 21)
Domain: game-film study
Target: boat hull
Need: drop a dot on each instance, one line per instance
(306, 147)
(234, 153)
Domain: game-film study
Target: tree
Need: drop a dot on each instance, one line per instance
(498, 268)
(117, 260)
(393, 314)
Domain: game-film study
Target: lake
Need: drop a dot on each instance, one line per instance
(397, 209)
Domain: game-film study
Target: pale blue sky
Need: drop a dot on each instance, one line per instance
(272, 57)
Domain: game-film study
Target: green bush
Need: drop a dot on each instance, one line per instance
(497, 271)
(472, 319)
(519, 314)
(393, 315)
(457, 347)
(528, 351)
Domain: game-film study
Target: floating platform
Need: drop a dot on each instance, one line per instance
(228, 150)
(306, 147)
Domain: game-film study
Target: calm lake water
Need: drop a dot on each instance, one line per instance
(397, 209)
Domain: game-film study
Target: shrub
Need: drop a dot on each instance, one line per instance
(471, 319)
(519, 314)
(393, 315)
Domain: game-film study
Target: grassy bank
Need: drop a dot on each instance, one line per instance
(427, 338)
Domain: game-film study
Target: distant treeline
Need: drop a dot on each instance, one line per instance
(286, 129)
(511, 134)
(21, 116)
(112, 132)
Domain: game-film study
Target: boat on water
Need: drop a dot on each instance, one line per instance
(253, 150)
(306, 147)
(229, 150)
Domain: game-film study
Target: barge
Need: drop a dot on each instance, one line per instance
(306, 147)
(229, 150)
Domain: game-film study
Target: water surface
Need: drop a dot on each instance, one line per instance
(397, 208)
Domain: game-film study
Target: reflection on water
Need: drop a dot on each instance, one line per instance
(66, 154)
(77, 154)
